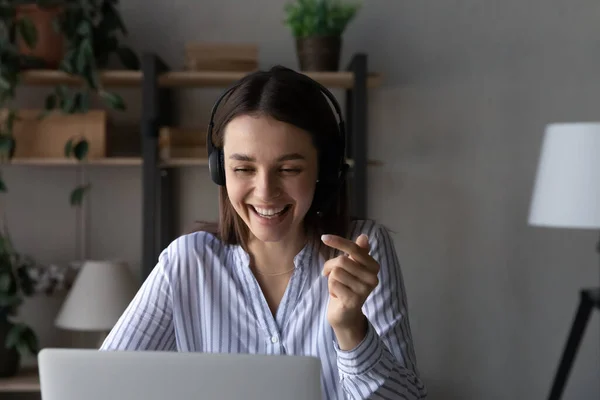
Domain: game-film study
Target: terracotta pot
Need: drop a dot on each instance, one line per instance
(50, 45)
(319, 53)
(9, 359)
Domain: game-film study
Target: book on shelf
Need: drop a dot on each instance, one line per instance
(178, 142)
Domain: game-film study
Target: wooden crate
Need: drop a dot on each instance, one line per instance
(177, 142)
(46, 137)
(221, 57)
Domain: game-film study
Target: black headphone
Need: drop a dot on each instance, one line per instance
(328, 183)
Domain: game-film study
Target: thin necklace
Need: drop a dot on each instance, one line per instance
(277, 274)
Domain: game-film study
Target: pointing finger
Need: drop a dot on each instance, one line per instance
(363, 241)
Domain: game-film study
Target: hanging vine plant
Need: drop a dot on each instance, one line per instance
(91, 33)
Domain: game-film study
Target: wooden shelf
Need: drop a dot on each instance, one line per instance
(65, 162)
(123, 162)
(217, 78)
(27, 380)
(182, 79)
(122, 78)
(184, 162)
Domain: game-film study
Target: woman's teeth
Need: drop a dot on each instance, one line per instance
(269, 212)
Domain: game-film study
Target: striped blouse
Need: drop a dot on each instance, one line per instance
(203, 297)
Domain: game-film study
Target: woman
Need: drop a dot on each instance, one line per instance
(285, 271)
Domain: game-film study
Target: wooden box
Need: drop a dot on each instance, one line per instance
(46, 137)
(221, 57)
(177, 142)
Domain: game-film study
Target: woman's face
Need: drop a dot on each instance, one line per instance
(271, 173)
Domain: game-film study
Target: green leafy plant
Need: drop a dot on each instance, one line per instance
(11, 64)
(77, 147)
(91, 29)
(20, 277)
(15, 284)
(308, 18)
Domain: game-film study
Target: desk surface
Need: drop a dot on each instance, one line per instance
(27, 380)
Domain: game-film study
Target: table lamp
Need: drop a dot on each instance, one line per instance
(98, 297)
(567, 195)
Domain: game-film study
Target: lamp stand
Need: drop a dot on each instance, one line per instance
(589, 299)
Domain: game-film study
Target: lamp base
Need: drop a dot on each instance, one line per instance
(589, 299)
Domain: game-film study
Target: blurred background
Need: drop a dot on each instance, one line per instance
(457, 123)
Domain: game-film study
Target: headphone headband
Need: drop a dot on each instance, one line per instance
(341, 126)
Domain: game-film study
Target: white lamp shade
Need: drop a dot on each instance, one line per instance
(567, 187)
(100, 294)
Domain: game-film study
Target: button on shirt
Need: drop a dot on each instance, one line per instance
(203, 297)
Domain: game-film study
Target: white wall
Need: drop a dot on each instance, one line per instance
(468, 89)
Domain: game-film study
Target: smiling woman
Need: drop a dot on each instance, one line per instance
(286, 271)
(270, 187)
(283, 114)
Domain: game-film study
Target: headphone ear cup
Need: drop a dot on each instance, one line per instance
(216, 168)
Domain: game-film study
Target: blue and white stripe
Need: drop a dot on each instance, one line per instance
(203, 297)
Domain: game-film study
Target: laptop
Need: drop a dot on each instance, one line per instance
(88, 374)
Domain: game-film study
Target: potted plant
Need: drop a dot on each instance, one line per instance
(35, 34)
(20, 277)
(90, 30)
(317, 26)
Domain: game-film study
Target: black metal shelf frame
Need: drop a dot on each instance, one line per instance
(159, 204)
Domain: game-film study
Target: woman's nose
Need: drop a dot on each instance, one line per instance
(267, 186)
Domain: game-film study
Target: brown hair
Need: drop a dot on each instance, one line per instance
(290, 97)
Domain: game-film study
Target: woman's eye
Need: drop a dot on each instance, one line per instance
(291, 170)
(247, 170)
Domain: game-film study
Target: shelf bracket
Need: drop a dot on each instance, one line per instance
(155, 113)
(356, 117)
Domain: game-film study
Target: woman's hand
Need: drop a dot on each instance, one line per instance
(351, 279)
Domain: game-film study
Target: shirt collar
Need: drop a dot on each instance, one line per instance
(301, 260)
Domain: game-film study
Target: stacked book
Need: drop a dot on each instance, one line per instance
(221, 57)
(176, 142)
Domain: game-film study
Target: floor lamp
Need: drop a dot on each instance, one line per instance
(567, 195)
